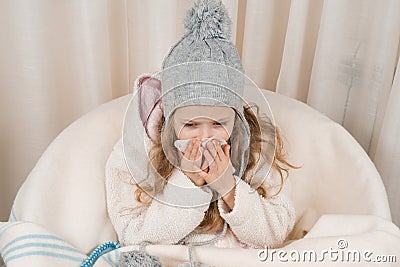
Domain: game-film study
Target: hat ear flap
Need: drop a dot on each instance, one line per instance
(150, 108)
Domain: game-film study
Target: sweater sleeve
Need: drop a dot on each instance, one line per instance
(157, 223)
(258, 221)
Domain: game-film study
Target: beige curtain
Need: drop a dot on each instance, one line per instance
(60, 59)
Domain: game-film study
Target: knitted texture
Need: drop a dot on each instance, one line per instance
(204, 67)
(138, 258)
(207, 19)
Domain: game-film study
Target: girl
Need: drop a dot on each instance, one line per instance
(213, 177)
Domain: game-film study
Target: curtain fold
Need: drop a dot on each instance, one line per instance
(263, 40)
(354, 63)
(298, 55)
(60, 59)
(387, 156)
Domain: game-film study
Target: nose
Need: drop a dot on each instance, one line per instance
(205, 132)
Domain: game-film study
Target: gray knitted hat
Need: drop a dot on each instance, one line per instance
(204, 68)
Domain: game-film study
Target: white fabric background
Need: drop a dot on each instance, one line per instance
(60, 59)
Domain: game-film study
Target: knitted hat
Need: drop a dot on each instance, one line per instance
(204, 68)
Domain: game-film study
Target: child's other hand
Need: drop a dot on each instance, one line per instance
(219, 176)
(191, 162)
(215, 169)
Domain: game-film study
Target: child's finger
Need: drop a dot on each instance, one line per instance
(195, 150)
(188, 149)
(209, 158)
(211, 147)
(199, 152)
(227, 150)
(220, 153)
(214, 166)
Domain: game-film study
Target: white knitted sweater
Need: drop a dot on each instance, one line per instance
(254, 220)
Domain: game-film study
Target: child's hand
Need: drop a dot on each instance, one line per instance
(191, 162)
(219, 176)
(216, 169)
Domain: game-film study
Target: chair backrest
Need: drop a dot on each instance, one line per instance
(336, 174)
(65, 191)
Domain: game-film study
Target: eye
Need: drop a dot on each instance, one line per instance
(219, 123)
(189, 124)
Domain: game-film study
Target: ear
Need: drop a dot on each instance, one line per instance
(150, 110)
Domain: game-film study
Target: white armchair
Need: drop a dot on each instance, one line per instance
(65, 192)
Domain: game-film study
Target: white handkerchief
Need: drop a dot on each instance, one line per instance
(182, 144)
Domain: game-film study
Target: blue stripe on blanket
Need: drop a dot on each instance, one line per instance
(39, 236)
(40, 245)
(43, 253)
(116, 257)
(111, 257)
(107, 258)
(37, 245)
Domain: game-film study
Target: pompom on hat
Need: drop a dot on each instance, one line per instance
(208, 19)
(204, 68)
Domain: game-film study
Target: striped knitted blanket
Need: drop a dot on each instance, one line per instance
(28, 244)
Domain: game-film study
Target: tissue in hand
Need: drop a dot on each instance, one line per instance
(182, 144)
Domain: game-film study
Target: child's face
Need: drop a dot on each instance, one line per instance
(203, 122)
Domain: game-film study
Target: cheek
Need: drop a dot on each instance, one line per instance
(229, 128)
(184, 133)
(179, 131)
(225, 133)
